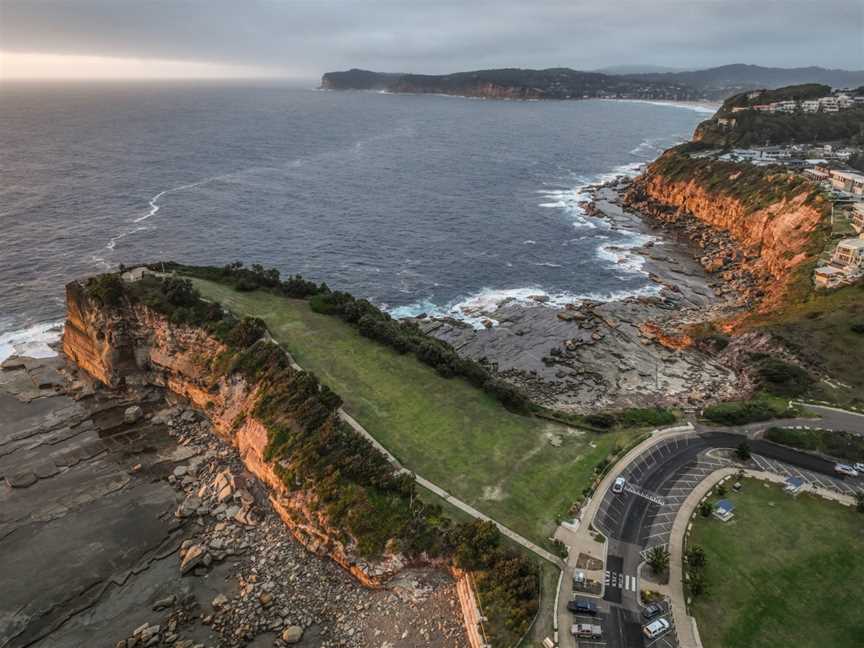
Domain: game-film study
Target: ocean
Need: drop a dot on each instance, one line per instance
(420, 203)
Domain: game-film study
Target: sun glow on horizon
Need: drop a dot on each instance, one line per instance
(37, 66)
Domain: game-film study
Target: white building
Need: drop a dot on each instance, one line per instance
(784, 106)
(849, 253)
(844, 101)
(848, 181)
(810, 106)
(829, 277)
(828, 104)
(856, 217)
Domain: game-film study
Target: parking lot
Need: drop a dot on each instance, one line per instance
(836, 484)
(622, 628)
(663, 504)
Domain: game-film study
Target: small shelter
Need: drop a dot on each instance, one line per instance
(793, 485)
(723, 510)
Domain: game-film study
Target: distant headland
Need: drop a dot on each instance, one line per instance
(566, 83)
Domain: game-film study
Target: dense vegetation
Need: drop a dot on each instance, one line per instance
(842, 445)
(822, 330)
(368, 319)
(314, 450)
(761, 408)
(782, 378)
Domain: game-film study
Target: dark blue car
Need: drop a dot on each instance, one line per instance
(582, 606)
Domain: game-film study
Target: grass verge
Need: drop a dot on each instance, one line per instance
(842, 445)
(805, 591)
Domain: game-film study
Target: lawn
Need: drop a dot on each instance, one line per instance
(783, 572)
(444, 429)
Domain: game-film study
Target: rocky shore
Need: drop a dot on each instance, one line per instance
(125, 521)
(630, 352)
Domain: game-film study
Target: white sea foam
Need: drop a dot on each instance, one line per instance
(479, 308)
(34, 341)
(622, 254)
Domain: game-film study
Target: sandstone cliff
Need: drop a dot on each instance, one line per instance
(760, 229)
(120, 346)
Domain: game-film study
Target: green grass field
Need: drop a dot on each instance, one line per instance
(783, 572)
(446, 430)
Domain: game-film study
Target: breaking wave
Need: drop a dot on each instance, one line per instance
(33, 341)
(479, 308)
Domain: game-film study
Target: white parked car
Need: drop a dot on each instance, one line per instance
(846, 469)
(618, 485)
(656, 628)
(859, 467)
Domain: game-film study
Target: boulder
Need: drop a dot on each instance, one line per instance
(193, 557)
(133, 414)
(292, 634)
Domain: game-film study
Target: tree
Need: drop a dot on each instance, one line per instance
(705, 509)
(658, 559)
(743, 451)
(696, 557)
(696, 582)
(859, 498)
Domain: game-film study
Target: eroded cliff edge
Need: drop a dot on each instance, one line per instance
(138, 344)
(761, 229)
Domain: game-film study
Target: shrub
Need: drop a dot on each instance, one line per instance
(857, 327)
(783, 379)
(646, 416)
(600, 420)
(107, 289)
(658, 559)
(761, 408)
(743, 451)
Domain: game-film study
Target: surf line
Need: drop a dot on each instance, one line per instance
(154, 201)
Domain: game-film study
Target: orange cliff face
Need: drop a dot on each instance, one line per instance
(121, 346)
(773, 244)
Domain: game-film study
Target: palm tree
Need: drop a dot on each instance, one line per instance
(658, 559)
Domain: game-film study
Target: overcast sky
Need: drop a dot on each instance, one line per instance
(304, 38)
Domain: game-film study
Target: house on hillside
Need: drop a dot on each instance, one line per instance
(810, 106)
(849, 254)
(829, 277)
(829, 104)
(856, 217)
(848, 181)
